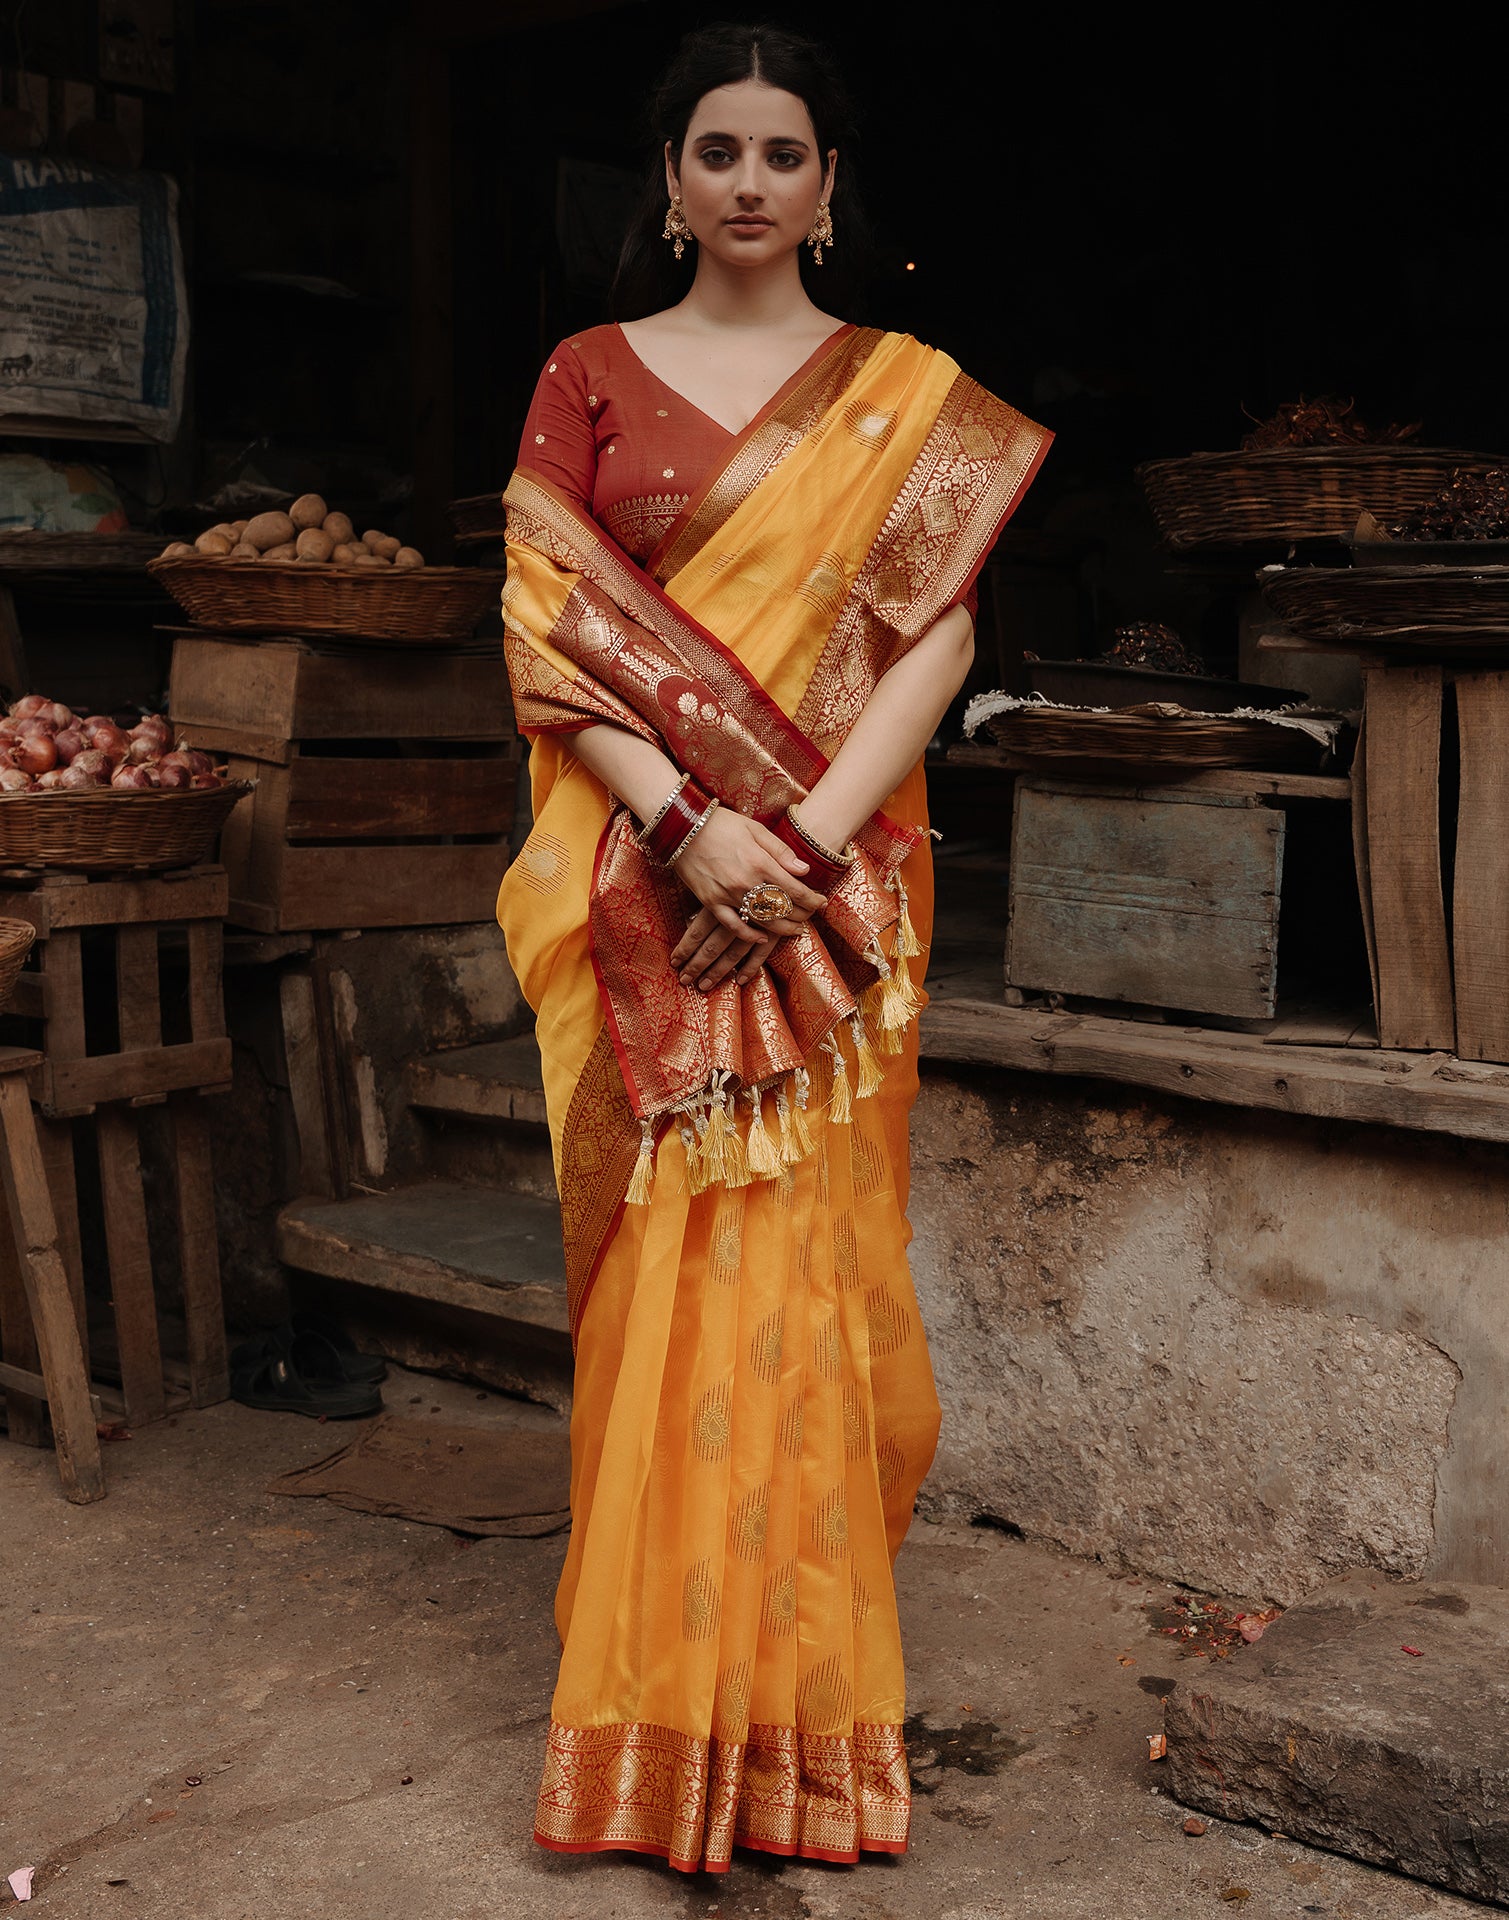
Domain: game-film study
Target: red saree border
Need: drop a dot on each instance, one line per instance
(644, 1788)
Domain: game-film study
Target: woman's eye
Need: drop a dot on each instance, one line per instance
(715, 156)
(787, 160)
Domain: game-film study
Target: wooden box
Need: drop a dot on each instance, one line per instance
(1150, 896)
(385, 781)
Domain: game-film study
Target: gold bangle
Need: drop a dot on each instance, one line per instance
(844, 859)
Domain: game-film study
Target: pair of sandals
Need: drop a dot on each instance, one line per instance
(309, 1365)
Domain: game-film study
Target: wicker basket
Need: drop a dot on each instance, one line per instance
(1312, 493)
(479, 517)
(1155, 741)
(16, 937)
(1418, 604)
(114, 831)
(423, 606)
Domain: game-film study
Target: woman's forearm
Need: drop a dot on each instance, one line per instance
(634, 769)
(888, 739)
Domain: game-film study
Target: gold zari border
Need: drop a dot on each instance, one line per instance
(652, 1790)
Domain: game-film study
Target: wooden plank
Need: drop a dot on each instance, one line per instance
(18, 1379)
(279, 692)
(1415, 1002)
(1292, 786)
(1122, 898)
(61, 1356)
(18, 1345)
(73, 1086)
(56, 1139)
(306, 1082)
(196, 893)
(28, 1000)
(385, 886)
(138, 989)
(199, 1253)
(62, 965)
(15, 675)
(346, 799)
(206, 951)
(1480, 894)
(1419, 1091)
(132, 1292)
(1360, 860)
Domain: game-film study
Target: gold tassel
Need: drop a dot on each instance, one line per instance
(696, 1170)
(801, 1137)
(870, 1072)
(840, 1105)
(735, 1158)
(908, 946)
(786, 1146)
(644, 1168)
(716, 1164)
(764, 1161)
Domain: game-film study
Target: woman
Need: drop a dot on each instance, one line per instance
(742, 541)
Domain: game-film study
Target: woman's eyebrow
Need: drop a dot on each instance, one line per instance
(771, 140)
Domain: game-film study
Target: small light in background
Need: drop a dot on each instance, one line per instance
(911, 266)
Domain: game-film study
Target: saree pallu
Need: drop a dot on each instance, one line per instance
(754, 1407)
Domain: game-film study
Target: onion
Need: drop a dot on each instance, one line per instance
(9, 728)
(172, 775)
(13, 780)
(109, 738)
(35, 753)
(59, 715)
(50, 781)
(207, 780)
(153, 723)
(196, 761)
(69, 743)
(28, 704)
(78, 779)
(132, 779)
(95, 765)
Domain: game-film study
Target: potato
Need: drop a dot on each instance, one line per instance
(242, 551)
(238, 527)
(225, 527)
(308, 510)
(269, 530)
(179, 550)
(314, 544)
(288, 551)
(407, 557)
(344, 555)
(213, 546)
(339, 527)
(371, 560)
(383, 543)
(358, 546)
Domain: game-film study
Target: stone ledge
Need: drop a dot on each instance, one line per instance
(1331, 1732)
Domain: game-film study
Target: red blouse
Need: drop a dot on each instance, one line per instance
(622, 444)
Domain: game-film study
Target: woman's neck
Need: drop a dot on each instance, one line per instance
(724, 297)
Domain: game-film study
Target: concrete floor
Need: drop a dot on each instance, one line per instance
(360, 1705)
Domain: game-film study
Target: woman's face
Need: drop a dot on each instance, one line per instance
(751, 176)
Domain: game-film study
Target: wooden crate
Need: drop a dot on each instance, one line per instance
(126, 924)
(385, 782)
(87, 931)
(1150, 896)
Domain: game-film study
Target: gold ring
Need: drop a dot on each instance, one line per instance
(768, 902)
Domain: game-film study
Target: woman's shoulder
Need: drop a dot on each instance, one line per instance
(590, 346)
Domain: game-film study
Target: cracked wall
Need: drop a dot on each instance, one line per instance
(1233, 1349)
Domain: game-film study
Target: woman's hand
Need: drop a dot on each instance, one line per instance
(730, 855)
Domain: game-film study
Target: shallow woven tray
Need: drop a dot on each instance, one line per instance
(110, 831)
(1436, 604)
(1311, 493)
(16, 937)
(479, 517)
(425, 606)
(1173, 743)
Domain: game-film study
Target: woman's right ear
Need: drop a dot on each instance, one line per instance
(672, 184)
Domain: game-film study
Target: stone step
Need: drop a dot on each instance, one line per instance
(499, 1080)
(490, 1252)
(1370, 1719)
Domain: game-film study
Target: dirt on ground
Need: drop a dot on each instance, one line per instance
(221, 1703)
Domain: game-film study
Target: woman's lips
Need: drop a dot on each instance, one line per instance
(747, 225)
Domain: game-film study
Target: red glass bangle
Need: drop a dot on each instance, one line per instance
(823, 872)
(664, 838)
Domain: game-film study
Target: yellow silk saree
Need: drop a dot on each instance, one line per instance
(754, 1407)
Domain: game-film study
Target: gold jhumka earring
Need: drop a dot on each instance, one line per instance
(676, 229)
(821, 234)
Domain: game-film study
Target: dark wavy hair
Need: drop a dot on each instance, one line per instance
(649, 277)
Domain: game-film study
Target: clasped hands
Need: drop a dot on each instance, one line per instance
(728, 857)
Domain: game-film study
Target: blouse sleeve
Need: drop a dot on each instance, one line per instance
(559, 439)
